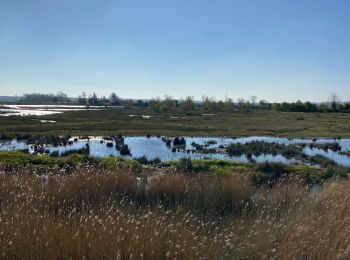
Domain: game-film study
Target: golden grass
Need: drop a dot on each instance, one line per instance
(323, 233)
(102, 213)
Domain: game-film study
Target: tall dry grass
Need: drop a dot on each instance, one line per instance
(103, 213)
(323, 233)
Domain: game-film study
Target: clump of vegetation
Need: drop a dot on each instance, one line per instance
(184, 165)
(124, 150)
(259, 147)
(19, 159)
(55, 154)
(179, 142)
(198, 147)
(143, 160)
(119, 142)
(347, 153)
(270, 173)
(109, 144)
(328, 146)
(210, 142)
(167, 141)
(322, 161)
(47, 140)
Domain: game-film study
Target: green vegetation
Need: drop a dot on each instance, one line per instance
(296, 107)
(259, 173)
(257, 148)
(15, 158)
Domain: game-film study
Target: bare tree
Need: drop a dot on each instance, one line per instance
(334, 100)
(240, 101)
(229, 102)
(253, 100)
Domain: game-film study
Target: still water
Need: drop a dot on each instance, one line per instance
(154, 147)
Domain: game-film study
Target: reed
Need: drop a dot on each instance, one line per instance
(105, 212)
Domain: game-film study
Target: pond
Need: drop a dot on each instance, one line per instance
(156, 147)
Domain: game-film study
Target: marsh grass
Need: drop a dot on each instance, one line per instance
(323, 233)
(104, 211)
(235, 123)
(260, 147)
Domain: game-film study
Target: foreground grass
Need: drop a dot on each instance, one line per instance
(101, 212)
(238, 123)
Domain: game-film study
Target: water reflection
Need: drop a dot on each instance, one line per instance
(155, 147)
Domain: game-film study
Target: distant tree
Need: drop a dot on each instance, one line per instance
(140, 103)
(298, 106)
(240, 102)
(103, 101)
(220, 105)
(323, 107)
(253, 100)
(334, 100)
(188, 104)
(82, 99)
(154, 104)
(93, 99)
(209, 103)
(169, 103)
(263, 103)
(38, 98)
(62, 97)
(310, 107)
(114, 99)
(229, 103)
(206, 103)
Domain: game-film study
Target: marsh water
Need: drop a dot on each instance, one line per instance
(154, 147)
(42, 110)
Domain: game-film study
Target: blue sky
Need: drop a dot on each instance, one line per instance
(278, 50)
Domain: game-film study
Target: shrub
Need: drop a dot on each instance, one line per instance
(184, 165)
(179, 141)
(144, 160)
(269, 173)
(55, 154)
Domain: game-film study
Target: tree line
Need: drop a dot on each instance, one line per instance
(94, 100)
(207, 104)
(38, 98)
(210, 104)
